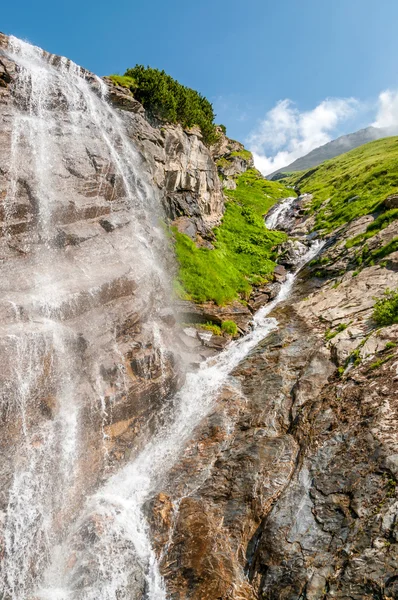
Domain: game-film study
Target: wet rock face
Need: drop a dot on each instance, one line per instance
(342, 542)
(288, 489)
(236, 467)
(77, 342)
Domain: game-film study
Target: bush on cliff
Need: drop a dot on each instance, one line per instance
(385, 310)
(170, 101)
(244, 248)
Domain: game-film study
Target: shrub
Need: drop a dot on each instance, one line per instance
(385, 310)
(229, 327)
(168, 100)
(215, 329)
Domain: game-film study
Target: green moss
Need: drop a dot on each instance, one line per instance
(385, 310)
(229, 327)
(124, 81)
(355, 183)
(385, 250)
(244, 154)
(329, 335)
(222, 163)
(390, 345)
(215, 329)
(381, 361)
(244, 247)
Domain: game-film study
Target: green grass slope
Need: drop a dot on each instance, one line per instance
(351, 185)
(244, 248)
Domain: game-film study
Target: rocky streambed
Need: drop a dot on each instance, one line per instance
(287, 488)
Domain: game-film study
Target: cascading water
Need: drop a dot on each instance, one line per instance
(119, 507)
(278, 213)
(53, 548)
(54, 378)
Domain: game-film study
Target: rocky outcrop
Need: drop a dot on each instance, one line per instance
(232, 159)
(180, 164)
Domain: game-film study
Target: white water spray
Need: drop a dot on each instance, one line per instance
(59, 117)
(279, 212)
(124, 538)
(106, 553)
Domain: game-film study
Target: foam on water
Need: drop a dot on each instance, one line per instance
(278, 213)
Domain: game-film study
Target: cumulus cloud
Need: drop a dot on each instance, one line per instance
(387, 110)
(286, 133)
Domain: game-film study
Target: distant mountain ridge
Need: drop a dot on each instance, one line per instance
(334, 148)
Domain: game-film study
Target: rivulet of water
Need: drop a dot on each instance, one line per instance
(122, 551)
(278, 213)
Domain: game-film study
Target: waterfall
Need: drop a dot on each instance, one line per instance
(66, 538)
(278, 213)
(124, 538)
(59, 120)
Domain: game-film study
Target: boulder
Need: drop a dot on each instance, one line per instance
(391, 201)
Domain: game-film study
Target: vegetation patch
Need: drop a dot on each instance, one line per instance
(381, 361)
(244, 154)
(385, 250)
(229, 327)
(351, 185)
(244, 249)
(215, 329)
(329, 335)
(378, 224)
(390, 345)
(124, 81)
(169, 100)
(385, 310)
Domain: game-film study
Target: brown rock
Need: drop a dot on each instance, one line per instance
(391, 201)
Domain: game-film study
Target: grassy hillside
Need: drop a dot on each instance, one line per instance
(336, 147)
(356, 183)
(244, 248)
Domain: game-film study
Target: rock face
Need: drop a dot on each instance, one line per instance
(179, 163)
(87, 354)
(286, 489)
(289, 488)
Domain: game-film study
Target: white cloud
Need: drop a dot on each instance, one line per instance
(286, 133)
(387, 110)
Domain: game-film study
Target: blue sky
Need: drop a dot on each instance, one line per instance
(269, 67)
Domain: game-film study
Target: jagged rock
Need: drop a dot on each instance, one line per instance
(229, 184)
(290, 253)
(210, 312)
(391, 201)
(280, 273)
